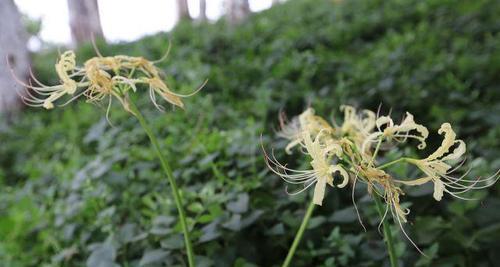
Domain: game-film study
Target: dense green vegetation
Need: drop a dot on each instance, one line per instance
(76, 191)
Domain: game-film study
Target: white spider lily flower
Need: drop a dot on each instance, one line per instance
(400, 132)
(438, 167)
(322, 170)
(46, 95)
(67, 63)
(306, 121)
(357, 125)
(102, 77)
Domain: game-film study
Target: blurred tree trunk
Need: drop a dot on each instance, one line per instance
(183, 10)
(276, 2)
(203, 10)
(84, 20)
(237, 10)
(13, 37)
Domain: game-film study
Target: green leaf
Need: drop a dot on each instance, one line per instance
(240, 205)
(153, 256)
(102, 255)
(196, 207)
(316, 222)
(173, 242)
(345, 215)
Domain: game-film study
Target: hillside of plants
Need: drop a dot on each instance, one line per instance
(79, 190)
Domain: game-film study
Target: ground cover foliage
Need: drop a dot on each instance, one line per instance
(78, 191)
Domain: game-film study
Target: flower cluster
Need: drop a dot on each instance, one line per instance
(350, 151)
(99, 78)
(113, 78)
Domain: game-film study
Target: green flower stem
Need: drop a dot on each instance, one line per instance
(299, 235)
(168, 171)
(376, 151)
(387, 232)
(383, 166)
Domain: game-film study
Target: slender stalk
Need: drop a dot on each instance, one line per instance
(387, 233)
(383, 166)
(387, 230)
(299, 234)
(168, 171)
(376, 151)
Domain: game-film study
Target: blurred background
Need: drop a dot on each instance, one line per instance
(123, 20)
(76, 191)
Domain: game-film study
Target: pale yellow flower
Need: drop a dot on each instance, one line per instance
(127, 67)
(306, 121)
(156, 85)
(99, 79)
(103, 77)
(322, 165)
(352, 144)
(47, 95)
(399, 133)
(67, 63)
(382, 183)
(357, 125)
(439, 165)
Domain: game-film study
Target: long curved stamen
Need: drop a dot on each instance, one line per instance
(152, 96)
(462, 162)
(94, 45)
(408, 237)
(387, 207)
(354, 202)
(36, 88)
(284, 166)
(72, 99)
(108, 111)
(192, 93)
(275, 166)
(457, 180)
(493, 178)
(32, 76)
(314, 181)
(459, 197)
